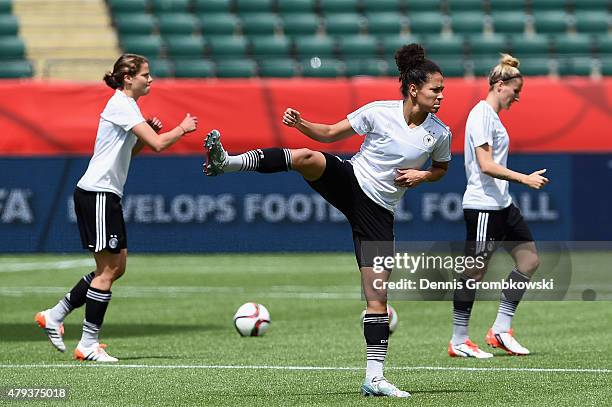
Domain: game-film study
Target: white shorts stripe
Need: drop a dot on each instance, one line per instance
(100, 221)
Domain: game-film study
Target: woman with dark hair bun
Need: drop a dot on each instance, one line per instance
(122, 133)
(400, 137)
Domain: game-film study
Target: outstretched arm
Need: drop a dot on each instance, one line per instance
(484, 155)
(146, 134)
(323, 133)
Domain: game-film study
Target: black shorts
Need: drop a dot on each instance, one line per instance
(369, 221)
(100, 219)
(486, 229)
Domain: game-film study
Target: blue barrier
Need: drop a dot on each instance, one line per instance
(170, 206)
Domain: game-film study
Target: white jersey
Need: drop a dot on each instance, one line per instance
(390, 145)
(109, 165)
(483, 191)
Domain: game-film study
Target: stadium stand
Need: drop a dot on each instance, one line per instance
(572, 36)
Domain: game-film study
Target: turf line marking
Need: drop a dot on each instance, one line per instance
(55, 265)
(310, 368)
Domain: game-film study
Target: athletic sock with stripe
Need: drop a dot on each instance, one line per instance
(266, 160)
(510, 299)
(74, 299)
(95, 308)
(376, 332)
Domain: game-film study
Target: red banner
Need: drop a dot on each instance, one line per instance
(51, 118)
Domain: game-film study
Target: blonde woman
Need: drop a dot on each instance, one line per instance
(490, 214)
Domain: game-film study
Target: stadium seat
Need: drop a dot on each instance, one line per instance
(227, 46)
(236, 68)
(352, 46)
(535, 66)
(6, 6)
(147, 45)
(314, 45)
(464, 5)
(344, 23)
(260, 24)
(606, 65)
(467, 22)
(530, 45)
(8, 25)
(390, 44)
(262, 46)
(253, 6)
(161, 68)
(278, 68)
(445, 44)
(573, 44)
(11, 48)
(194, 68)
(425, 22)
(451, 66)
(365, 67)
(548, 4)
(170, 6)
(423, 5)
(338, 6)
(127, 6)
(603, 44)
(507, 5)
(177, 23)
(300, 24)
(134, 24)
(385, 23)
(218, 23)
(592, 21)
(212, 6)
(550, 22)
(488, 44)
(296, 6)
(16, 69)
(582, 66)
(184, 46)
(379, 6)
(483, 65)
(509, 22)
(322, 67)
(594, 5)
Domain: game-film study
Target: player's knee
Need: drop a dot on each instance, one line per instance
(529, 265)
(302, 157)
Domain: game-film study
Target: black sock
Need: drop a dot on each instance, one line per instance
(95, 308)
(266, 160)
(463, 301)
(376, 332)
(76, 297)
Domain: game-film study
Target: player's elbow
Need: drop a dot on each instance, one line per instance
(158, 147)
(486, 169)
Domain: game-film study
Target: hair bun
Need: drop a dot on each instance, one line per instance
(509, 60)
(409, 56)
(110, 80)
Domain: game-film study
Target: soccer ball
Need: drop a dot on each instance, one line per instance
(252, 319)
(393, 318)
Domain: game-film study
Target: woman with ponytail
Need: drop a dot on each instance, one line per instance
(122, 133)
(490, 215)
(400, 137)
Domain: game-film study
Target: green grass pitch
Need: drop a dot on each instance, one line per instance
(170, 324)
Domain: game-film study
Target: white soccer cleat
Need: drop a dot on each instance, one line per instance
(94, 353)
(467, 349)
(380, 387)
(506, 341)
(216, 156)
(54, 330)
